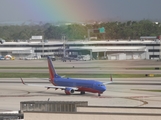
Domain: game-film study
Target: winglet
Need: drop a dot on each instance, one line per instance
(105, 83)
(111, 77)
(23, 81)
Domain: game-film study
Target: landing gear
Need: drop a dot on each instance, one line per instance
(82, 92)
(99, 94)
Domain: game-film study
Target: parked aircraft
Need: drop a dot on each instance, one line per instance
(70, 85)
(9, 57)
(64, 59)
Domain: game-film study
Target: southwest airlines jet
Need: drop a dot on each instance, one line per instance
(70, 85)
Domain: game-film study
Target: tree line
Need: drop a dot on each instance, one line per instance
(113, 30)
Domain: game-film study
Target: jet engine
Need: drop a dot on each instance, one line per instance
(69, 91)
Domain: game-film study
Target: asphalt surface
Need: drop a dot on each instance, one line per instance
(90, 67)
(125, 92)
(95, 63)
(12, 92)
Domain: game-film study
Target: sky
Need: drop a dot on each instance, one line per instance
(78, 10)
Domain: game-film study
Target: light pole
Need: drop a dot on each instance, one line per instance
(63, 37)
(89, 30)
(160, 46)
(43, 45)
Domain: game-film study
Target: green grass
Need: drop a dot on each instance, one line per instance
(47, 67)
(46, 75)
(24, 75)
(148, 68)
(144, 68)
(147, 90)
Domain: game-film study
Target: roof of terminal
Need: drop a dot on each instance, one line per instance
(13, 49)
(115, 41)
(85, 42)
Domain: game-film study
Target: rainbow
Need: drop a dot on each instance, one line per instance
(54, 10)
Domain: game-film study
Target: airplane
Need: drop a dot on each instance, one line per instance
(64, 59)
(70, 85)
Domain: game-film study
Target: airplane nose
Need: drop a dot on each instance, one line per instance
(103, 88)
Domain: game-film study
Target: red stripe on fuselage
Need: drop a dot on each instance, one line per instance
(89, 90)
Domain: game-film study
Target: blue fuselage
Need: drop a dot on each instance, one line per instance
(82, 85)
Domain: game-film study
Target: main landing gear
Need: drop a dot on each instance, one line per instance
(99, 94)
(82, 92)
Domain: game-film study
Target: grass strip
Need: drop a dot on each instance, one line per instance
(145, 68)
(75, 68)
(46, 75)
(47, 67)
(147, 90)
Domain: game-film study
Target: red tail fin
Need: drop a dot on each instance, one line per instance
(51, 68)
(52, 72)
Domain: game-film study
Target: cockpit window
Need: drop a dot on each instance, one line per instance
(100, 84)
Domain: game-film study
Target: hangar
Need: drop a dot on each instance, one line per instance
(112, 53)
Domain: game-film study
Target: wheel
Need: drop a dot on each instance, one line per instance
(82, 92)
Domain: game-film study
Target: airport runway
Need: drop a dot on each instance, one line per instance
(123, 92)
(95, 63)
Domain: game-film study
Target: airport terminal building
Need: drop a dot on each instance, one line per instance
(105, 49)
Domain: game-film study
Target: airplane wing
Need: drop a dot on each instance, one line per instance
(48, 87)
(105, 83)
(111, 81)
